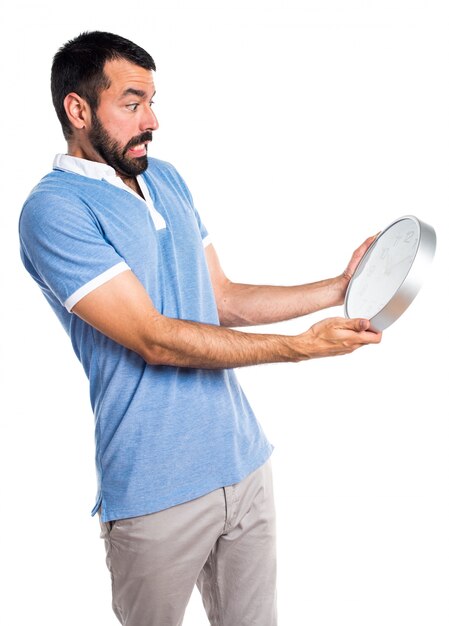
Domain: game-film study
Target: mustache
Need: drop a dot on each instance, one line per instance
(135, 141)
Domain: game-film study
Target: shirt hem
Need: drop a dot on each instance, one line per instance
(116, 514)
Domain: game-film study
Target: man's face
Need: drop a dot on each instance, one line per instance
(122, 125)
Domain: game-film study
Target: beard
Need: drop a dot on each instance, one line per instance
(114, 154)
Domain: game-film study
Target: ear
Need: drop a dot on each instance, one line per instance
(77, 110)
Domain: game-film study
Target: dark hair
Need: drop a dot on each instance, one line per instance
(78, 66)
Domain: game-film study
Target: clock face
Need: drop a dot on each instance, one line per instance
(383, 269)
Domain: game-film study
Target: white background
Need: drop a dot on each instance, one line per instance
(301, 128)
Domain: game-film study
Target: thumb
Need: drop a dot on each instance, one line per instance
(360, 324)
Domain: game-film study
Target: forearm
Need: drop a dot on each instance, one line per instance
(189, 344)
(250, 305)
(183, 343)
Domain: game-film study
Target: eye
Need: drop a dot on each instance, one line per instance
(133, 106)
(151, 103)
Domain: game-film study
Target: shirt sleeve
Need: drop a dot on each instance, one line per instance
(203, 230)
(64, 249)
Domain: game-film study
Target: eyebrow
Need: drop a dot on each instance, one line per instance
(135, 92)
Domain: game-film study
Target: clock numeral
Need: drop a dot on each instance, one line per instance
(408, 236)
(384, 253)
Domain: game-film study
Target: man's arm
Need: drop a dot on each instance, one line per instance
(248, 305)
(122, 310)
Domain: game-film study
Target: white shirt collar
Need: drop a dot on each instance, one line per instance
(102, 171)
(91, 169)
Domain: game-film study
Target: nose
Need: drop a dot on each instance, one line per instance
(148, 120)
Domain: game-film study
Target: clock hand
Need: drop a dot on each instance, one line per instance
(407, 258)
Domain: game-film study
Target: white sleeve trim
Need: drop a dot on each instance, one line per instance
(94, 283)
(207, 240)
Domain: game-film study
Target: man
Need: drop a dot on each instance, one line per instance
(115, 243)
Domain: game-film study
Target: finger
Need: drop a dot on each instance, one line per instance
(370, 336)
(363, 324)
(358, 324)
(357, 257)
(365, 245)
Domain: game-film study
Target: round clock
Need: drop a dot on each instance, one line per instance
(391, 272)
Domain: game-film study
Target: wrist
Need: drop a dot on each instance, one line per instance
(339, 285)
(305, 346)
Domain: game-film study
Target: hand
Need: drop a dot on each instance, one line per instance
(336, 336)
(357, 257)
(342, 281)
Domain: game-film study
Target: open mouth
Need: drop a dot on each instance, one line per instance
(139, 150)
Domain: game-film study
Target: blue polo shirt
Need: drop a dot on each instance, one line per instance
(164, 435)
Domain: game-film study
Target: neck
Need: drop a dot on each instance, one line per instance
(132, 183)
(74, 149)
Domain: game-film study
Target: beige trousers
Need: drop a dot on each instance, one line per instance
(224, 542)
